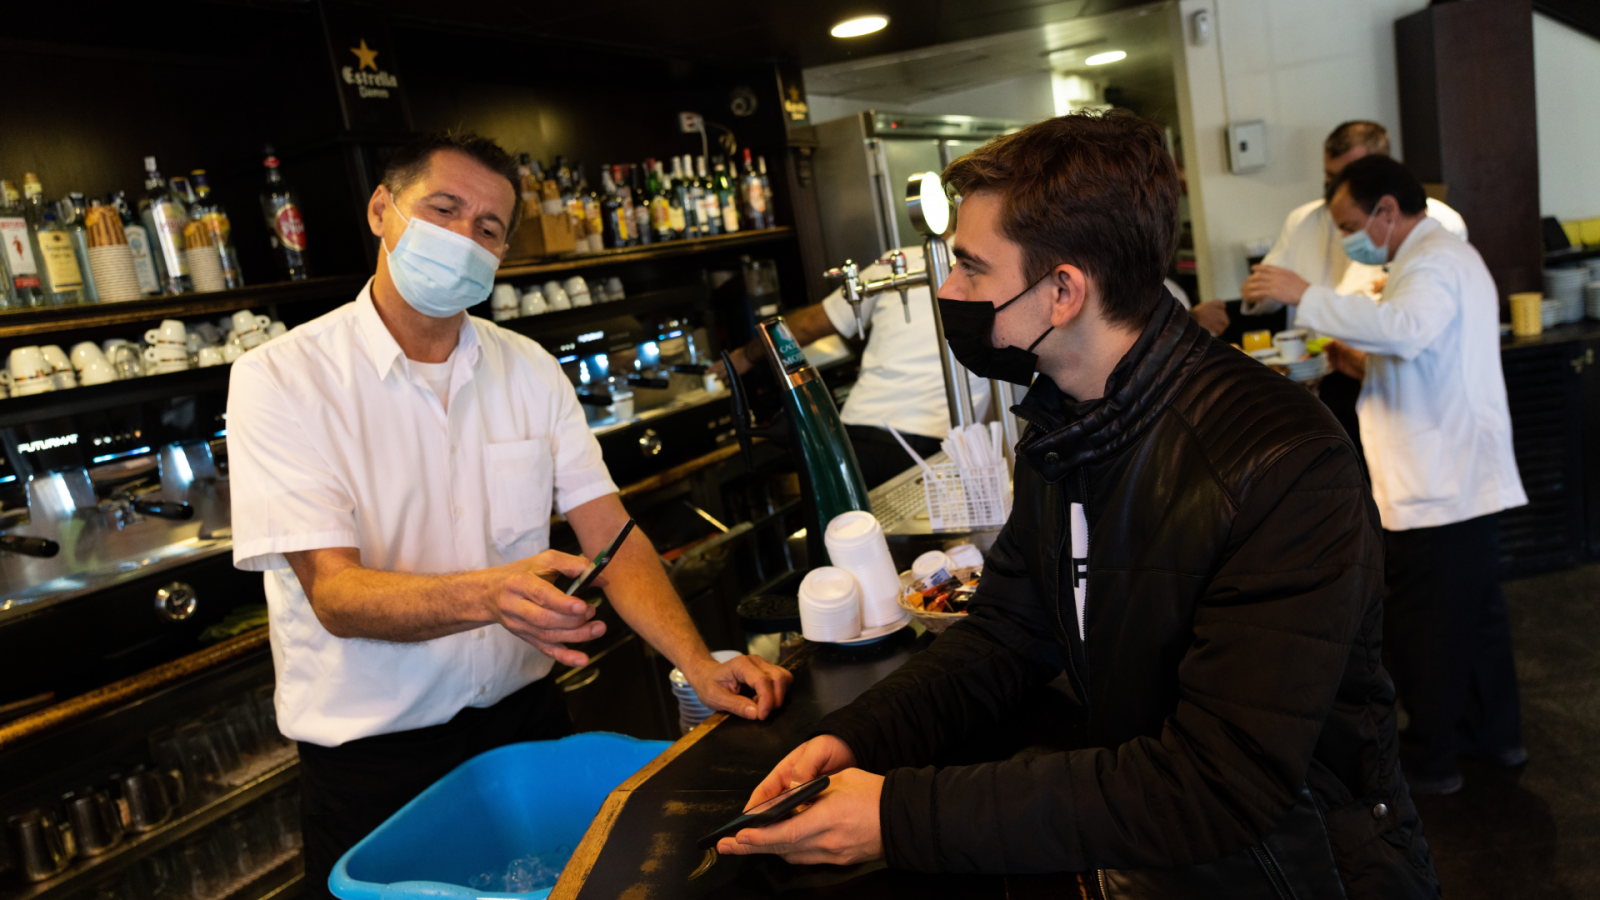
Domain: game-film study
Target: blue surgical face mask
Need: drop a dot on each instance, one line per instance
(1360, 248)
(437, 271)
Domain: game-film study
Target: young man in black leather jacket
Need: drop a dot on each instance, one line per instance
(1193, 544)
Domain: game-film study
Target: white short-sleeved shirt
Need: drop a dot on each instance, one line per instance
(335, 439)
(901, 378)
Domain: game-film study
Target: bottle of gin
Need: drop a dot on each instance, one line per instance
(165, 216)
(24, 288)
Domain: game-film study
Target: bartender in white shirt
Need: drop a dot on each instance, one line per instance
(1309, 244)
(1437, 435)
(395, 465)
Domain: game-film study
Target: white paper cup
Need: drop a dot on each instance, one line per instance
(115, 278)
(205, 267)
(830, 605)
(856, 544)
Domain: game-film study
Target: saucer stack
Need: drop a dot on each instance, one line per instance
(1591, 299)
(1309, 369)
(691, 711)
(1565, 286)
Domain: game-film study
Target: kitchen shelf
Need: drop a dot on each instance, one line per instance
(72, 401)
(135, 847)
(667, 250)
(24, 322)
(637, 304)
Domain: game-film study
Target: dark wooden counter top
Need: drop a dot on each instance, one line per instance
(642, 843)
(1559, 334)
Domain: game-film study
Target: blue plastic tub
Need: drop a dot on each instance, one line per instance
(513, 801)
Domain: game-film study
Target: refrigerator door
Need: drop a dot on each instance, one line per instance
(848, 198)
(900, 158)
(954, 150)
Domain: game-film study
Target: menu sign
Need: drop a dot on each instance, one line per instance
(365, 71)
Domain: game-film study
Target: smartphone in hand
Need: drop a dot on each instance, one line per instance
(774, 810)
(585, 578)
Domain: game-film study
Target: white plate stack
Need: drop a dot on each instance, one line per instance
(1309, 369)
(1550, 312)
(1594, 270)
(1591, 299)
(691, 711)
(1565, 286)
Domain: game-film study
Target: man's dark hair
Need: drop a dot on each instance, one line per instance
(411, 161)
(1097, 191)
(1360, 133)
(1371, 178)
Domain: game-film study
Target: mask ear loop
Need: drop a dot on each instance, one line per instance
(396, 207)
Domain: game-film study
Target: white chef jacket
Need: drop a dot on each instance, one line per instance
(1434, 419)
(901, 378)
(1311, 246)
(335, 439)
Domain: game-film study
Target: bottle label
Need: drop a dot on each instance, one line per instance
(758, 200)
(290, 228)
(143, 265)
(660, 214)
(19, 253)
(675, 218)
(60, 261)
(730, 217)
(170, 221)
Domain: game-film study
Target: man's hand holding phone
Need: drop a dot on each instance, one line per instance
(840, 827)
(528, 603)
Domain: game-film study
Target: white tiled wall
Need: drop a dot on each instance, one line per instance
(1566, 66)
(1302, 66)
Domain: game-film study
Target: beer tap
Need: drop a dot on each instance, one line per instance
(849, 276)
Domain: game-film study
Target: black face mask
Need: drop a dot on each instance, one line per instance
(968, 325)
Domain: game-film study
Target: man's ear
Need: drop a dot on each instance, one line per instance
(1072, 290)
(376, 207)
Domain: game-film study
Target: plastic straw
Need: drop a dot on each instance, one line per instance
(926, 469)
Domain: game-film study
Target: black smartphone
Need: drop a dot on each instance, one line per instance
(776, 809)
(598, 564)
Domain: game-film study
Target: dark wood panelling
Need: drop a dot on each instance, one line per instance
(1468, 117)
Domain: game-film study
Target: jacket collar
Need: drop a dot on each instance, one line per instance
(1066, 433)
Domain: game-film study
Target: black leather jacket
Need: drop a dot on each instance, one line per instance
(1241, 731)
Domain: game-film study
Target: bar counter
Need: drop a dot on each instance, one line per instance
(642, 842)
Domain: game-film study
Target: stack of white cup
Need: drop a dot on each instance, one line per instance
(503, 302)
(91, 364)
(578, 291)
(691, 711)
(830, 606)
(168, 349)
(856, 544)
(28, 372)
(555, 297)
(61, 371)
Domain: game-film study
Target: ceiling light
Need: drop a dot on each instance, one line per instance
(857, 27)
(1110, 56)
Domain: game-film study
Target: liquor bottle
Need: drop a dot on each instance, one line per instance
(73, 210)
(209, 213)
(281, 207)
(593, 229)
(24, 287)
(710, 206)
(642, 230)
(525, 176)
(619, 177)
(688, 194)
(766, 192)
(613, 229)
(165, 216)
(730, 207)
(144, 265)
(755, 202)
(661, 198)
(61, 276)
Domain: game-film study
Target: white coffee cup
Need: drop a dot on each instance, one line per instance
(533, 303)
(1291, 344)
(614, 289)
(557, 300)
(166, 354)
(171, 331)
(28, 366)
(84, 353)
(231, 351)
(277, 330)
(97, 371)
(250, 340)
(245, 321)
(210, 356)
(830, 605)
(504, 303)
(856, 543)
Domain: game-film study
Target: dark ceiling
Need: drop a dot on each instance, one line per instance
(791, 31)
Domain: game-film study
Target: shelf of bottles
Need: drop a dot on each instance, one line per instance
(81, 262)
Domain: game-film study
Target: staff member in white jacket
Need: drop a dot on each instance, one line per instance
(1437, 435)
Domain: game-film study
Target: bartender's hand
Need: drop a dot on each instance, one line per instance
(1273, 283)
(741, 363)
(1212, 315)
(717, 685)
(1346, 360)
(840, 827)
(528, 605)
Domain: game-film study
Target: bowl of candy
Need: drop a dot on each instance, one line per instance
(939, 600)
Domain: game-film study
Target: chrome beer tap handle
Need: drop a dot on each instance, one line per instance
(896, 262)
(849, 275)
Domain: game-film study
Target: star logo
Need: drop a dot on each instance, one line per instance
(367, 55)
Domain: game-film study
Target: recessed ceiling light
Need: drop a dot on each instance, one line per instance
(1110, 56)
(857, 27)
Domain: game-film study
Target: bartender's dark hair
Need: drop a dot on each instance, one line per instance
(1371, 178)
(411, 161)
(1095, 190)
(1359, 133)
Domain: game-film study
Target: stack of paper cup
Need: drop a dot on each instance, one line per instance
(856, 544)
(830, 606)
(205, 267)
(691, 711)
(114, 276)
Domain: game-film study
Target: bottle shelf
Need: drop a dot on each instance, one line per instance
(15, 323)
(135, 847)
(667, 250)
